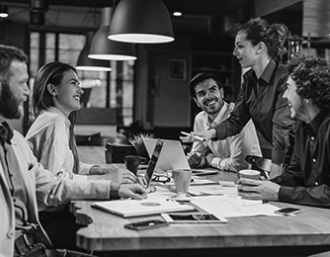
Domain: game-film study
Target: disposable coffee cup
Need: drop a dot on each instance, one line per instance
(250, 174)
(132, 162)
(182, 178)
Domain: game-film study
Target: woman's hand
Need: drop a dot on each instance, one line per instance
(206, 135)
(133, 191)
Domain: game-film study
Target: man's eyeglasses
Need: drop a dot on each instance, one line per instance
(161, 178)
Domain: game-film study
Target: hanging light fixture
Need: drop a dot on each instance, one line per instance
(85, 63)
(38, 9)
(106, 49)
(4, 11)
(141, 21)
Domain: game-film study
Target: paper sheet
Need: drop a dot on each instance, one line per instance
(214, 189)
(227, 206)
(197, 180)
(203, 172)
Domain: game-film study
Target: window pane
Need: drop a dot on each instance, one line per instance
(70, 47)
(34, 53)
(50, 47)
(94, 83)
(113, 86)
(127, 93)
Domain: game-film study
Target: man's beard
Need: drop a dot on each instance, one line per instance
(210, 111)
(9, 105)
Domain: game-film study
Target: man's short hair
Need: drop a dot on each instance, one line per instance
(312, 77)
(7, 55)
(200, 77)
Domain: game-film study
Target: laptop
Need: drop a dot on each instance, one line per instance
(154, 157)
(172, 157)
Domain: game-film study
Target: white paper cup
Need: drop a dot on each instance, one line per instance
(250, 174)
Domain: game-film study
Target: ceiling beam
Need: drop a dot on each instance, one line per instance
(265, 7)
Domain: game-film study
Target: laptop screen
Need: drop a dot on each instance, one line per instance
(145, 181)
(172, 155)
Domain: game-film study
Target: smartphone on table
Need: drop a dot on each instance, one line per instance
(288, 211)
(146, 224)
(191, 218)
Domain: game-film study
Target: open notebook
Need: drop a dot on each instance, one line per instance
(132, 208)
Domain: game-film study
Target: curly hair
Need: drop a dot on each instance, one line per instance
(273, 36)
(312, 78)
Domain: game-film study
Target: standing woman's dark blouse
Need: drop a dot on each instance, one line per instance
(261, 100)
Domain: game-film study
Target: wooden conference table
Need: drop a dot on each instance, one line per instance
(301, 235)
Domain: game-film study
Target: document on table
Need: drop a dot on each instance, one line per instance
(227, 206)
(201, 181)
(203, 172)
(199, 189)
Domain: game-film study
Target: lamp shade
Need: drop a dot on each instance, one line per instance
(141, 21)
(85, 63)
(4, 11)
(106, 49)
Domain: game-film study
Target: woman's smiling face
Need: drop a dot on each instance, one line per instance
(68, 94)
(244, 51)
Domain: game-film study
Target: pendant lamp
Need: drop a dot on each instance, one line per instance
(141, 21)
(4, 11)
(106, 49)
(85, 63)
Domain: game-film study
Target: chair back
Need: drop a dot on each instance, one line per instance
(259, 163)
(115, 153)
(92, 139)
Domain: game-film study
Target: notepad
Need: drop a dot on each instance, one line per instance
(132, 208)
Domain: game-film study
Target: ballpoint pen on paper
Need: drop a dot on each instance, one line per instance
(194, 137)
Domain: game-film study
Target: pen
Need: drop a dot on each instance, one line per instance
(195, 137)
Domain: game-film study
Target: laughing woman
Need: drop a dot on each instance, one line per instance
(56, 97)
(257, 46)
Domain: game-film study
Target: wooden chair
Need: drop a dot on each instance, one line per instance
(115, 153)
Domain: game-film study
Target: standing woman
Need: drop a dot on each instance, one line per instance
(56, 97)
(257, 45)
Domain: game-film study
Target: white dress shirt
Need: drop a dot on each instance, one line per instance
(229, 154)
(49, 140)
